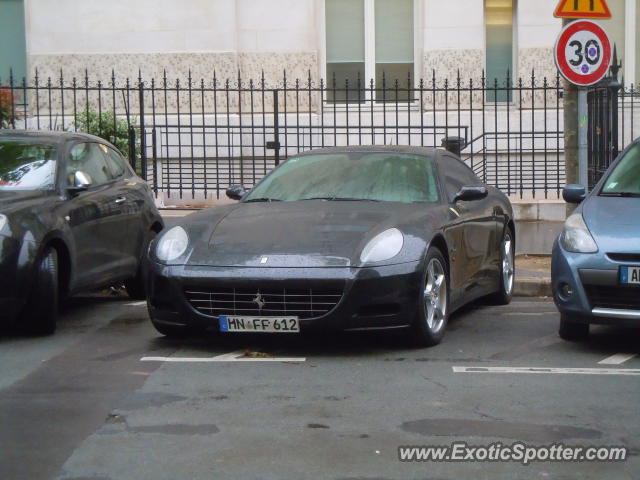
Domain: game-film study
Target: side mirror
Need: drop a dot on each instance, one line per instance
(236, 192)
(574, 193)
(469, 193)
(80, 181)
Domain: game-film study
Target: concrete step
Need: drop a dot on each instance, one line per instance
(536, 237)
(533, 276)
(533, 210)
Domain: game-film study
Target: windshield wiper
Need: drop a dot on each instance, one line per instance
(620, 194)
(342, 199)
(262, 199)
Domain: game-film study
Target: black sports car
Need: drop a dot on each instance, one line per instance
(73, 216)
(340, 238)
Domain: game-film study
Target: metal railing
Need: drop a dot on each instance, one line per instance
(193, 138)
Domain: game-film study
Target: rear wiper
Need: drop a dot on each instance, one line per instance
(262, 199)
(342, 199)
(620, 194)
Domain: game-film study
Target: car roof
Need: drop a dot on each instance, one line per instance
(426, 151)
(52, 136)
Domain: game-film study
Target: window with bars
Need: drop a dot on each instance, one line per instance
(369, 39)
(498, 19)
(13, 53)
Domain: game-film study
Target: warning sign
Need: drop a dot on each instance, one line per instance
(582, 9)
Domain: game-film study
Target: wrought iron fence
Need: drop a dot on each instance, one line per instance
(193, 138)
(613, 119)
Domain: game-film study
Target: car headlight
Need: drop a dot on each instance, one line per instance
(172, 244)
(383, 246)
(3, 221)
(576, 236)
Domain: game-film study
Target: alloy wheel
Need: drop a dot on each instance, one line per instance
(435, 295)
(508, 269)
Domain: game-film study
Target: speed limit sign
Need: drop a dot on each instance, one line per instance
(582, 53)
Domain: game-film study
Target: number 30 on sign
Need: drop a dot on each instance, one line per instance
(582, 53)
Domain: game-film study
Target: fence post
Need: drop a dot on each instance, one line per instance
(12, 101)
(614, 87)
(276, 126)
(132, 147)
(143, 150)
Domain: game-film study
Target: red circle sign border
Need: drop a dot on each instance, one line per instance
(561, 61)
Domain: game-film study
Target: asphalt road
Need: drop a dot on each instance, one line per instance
(83, 404)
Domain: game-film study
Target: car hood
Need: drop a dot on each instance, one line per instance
(308, 233)
(613, 222)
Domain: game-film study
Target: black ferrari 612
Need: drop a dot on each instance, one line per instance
(74, 216)
(341, 238)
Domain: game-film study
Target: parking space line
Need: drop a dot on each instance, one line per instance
(617, 359)
(237, 356)
(136, 304)
(575, 371)
(526, 314)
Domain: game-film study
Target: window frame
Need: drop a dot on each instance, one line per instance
(370, 54)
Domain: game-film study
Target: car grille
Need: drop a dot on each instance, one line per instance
(278, 301)
(610, 296)
(624, 257)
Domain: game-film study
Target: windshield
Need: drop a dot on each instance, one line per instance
(387, 177)
(26, 165)
(625, 177)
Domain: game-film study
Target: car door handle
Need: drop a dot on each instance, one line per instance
(120, 200)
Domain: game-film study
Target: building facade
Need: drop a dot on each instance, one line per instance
(358, 72)
(345, 38)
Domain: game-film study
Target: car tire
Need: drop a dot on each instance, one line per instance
(136, 286)
(507, 269)
(40, 316)
(433, 304)
(571, 330)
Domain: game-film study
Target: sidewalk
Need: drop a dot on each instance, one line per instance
(533, 276)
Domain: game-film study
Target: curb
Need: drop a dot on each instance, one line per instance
(532, 287)
(176, 212)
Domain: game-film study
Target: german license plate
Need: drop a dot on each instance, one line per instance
(630, 275)
(229, 323)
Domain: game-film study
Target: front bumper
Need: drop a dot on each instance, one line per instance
(372, 297)
(597, 297)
